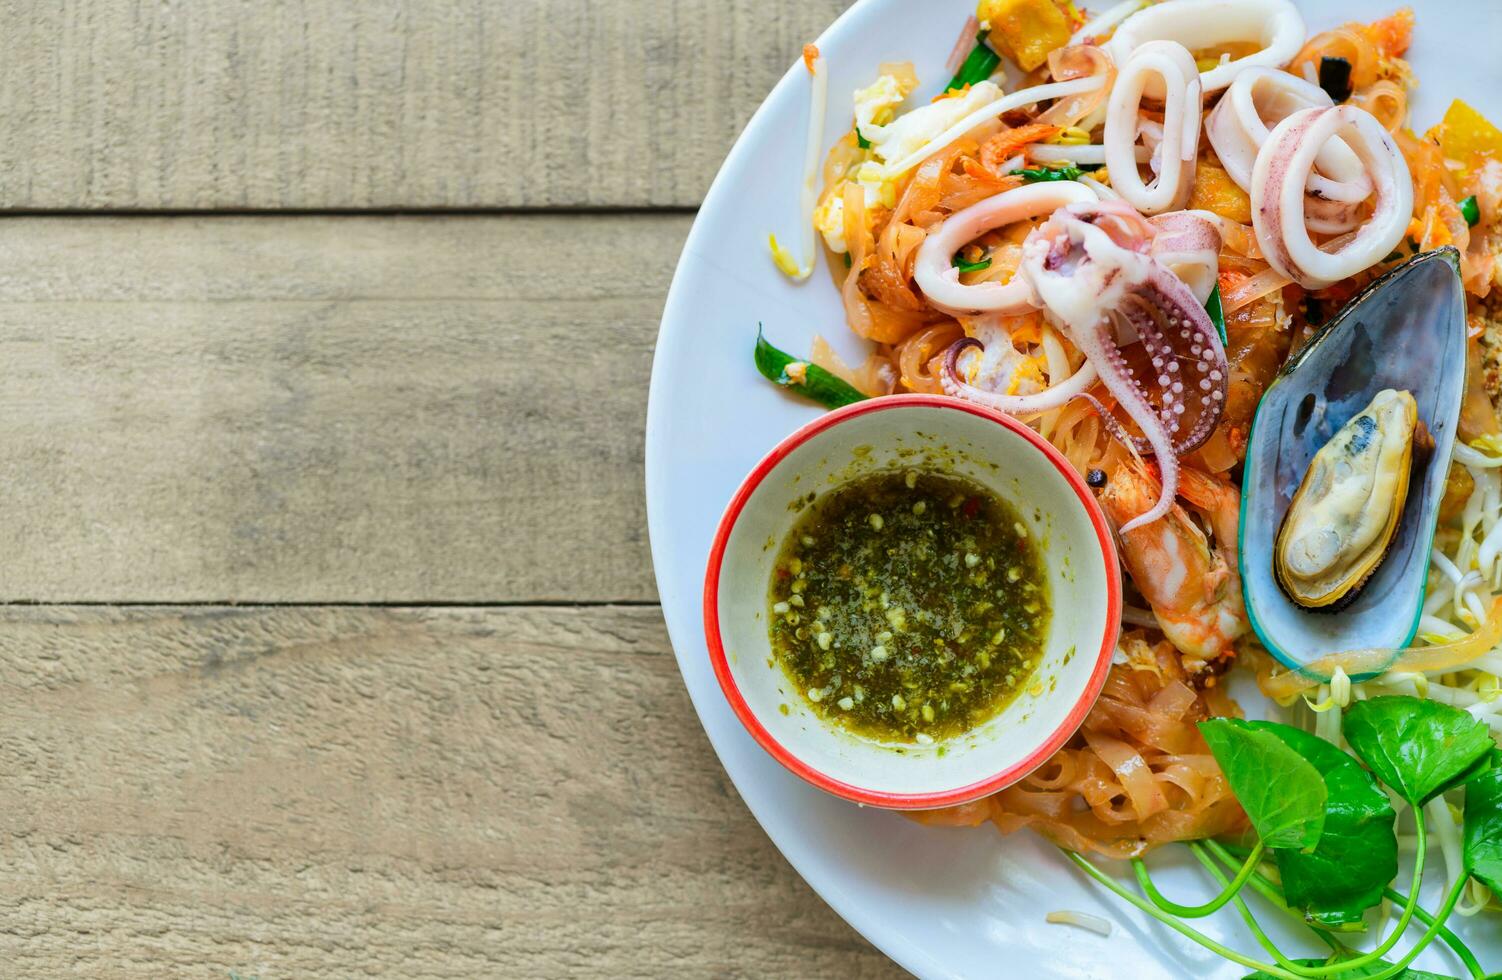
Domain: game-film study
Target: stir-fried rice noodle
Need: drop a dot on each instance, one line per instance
(919, 354)
(1138, 774)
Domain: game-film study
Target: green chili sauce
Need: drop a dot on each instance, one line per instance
(909, 605)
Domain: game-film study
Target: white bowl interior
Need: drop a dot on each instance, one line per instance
(966, 445)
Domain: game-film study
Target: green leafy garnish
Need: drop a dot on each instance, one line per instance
(980, 64)
(806, 379)
(1419, 748)
(1483, 824)
(1471, 211)
(1332, 832)
(1357, 854)
(1359, 972)
(860, 140)
(1282, 793)
(1217, 312)
(964, 266)
(1037, 174)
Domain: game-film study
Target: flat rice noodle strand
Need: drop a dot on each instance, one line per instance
(1137, 775)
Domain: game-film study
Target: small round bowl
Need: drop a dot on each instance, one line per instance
(968, 441)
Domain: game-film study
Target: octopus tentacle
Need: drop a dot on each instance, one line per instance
(934, 269)
(1100, 347)
(1092, 268)
(1279, 179)
(1161, 70)
(1198, 24)
(1192, 383)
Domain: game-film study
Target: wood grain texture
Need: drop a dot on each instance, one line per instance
(166, 104)
(331, 793)
(328, 409)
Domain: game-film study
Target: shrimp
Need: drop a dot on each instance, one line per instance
(1194, 589)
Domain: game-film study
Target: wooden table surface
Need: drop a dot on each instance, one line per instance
(330, 640)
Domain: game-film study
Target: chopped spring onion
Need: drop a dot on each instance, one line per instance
(1471, 211)
(1217, 312)
(979, 65)
(1083, 920)
(1037, 174)
(1335, 77)
(964, 266)
(809, 380)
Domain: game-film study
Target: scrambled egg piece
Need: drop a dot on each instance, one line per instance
(829, 217)
(892, 137)
(911, 130)
(877, 103)
(829, 220)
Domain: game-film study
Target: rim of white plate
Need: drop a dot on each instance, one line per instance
(685, 630)
(905, 955)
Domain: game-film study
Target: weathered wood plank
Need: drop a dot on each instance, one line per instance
(306, 792)
(383, 103)
(327, 409)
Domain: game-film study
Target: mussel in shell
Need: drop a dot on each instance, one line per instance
(1360, 587)
(1345, 514)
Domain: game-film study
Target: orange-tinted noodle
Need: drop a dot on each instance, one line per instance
(1137, 775)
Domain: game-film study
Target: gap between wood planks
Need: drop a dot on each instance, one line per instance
(337, 604)
(583, 210)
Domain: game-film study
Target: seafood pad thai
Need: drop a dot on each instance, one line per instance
(1129, 227)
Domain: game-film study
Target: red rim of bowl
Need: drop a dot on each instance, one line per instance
(859, 794)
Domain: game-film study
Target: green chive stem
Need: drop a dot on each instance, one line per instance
(1181, 928)
(1461, 950)
(1149, 889)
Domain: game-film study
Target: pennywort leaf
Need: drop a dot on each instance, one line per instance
(1419, 748)
(1282, 793)
(1357, 854)
(1483, 824)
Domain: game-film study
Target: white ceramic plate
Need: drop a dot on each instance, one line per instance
(941, 902)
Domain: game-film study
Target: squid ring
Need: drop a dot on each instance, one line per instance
(1188, 244)
(1164, 69)
(1238, 127)
(934, 269)
(1278, 194)
(1198, 24)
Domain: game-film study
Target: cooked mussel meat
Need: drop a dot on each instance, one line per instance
(1346, 512)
